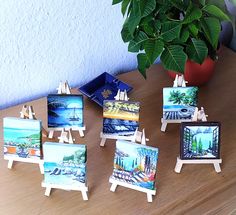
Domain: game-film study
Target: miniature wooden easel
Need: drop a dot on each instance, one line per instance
(66, 137)
(26, 113)
(65, 89)
(199, 115)
(115, 182)
(178, 82)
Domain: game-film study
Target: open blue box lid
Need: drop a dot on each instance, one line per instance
(104, 87)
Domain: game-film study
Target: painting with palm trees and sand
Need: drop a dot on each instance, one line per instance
(65, 111)
(179, 103)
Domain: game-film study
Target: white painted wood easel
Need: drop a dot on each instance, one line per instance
(115, 183)
(66, 137)
(178, 82)
(64, 88)
(199, 115)
(27, 112)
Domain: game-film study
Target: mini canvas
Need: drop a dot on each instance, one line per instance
(200, 140)
(179, 102)
(65, 111)
(120, 117)
(22, 138)
(135, 164)
(64, 164)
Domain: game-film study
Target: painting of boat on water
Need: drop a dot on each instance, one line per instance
(22, 137)
(64, 164)
(135, 164)
(120, 117)
(179, 103)
(65, 111)
(200, 140)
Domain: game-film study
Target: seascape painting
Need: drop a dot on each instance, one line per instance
(120, 117)
(22, 137)
(64, 164)
(179, 103)
(65, 111)
(200, 140)
(135, 164)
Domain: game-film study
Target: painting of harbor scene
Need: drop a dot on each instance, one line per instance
(64, 164)
(65, 111)
(22, 137)
(120, 117)
(135, 164)
(200, 140)
(179, 102)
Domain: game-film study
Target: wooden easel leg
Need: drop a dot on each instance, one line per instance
(217, 167)
(81, 133)
(178, 166)
(47, 191)
(50, 135)
(149, 197)
(10, 164)
(41, 168)
(84, 195)
(103, 141)
(113, 187)
(163, 125)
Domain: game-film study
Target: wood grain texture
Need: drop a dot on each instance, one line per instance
(197, 190)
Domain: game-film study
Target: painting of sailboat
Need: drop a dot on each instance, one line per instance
(179, 103)
(22, 137)
(120, 117)
(200, 140)
(65, 111)
(64, 164)
(135, 164)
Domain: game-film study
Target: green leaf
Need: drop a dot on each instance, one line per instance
(135, 44)
(174, 58)
(192, 13)
(217, 12)
(124, 6)
(193, 29)
(197, 50)
(178, 4)
(211, 27)
(153, 49)
(147, 6)
(116, 1)
(184, 35)
(143, 63)
(134, 18)
(170, 30)
(202, 2)
(125, 34)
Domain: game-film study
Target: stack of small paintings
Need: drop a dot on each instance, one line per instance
(179, 103)
(120, 118)
(65, 111)
(64, 164)
(135, 164)
(200, 140)
(22, 138)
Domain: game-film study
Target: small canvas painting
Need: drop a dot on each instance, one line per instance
(135, 164)
(64, 164)
(179, 103)
(22, 137)
(120, 117)
(65, 111)
(200, 140)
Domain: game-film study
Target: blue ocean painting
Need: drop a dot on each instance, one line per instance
(22, 137)
(135, 164)
(65, 111)
(179, 102)
(64, 164)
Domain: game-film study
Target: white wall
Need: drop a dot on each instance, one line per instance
(45, 41)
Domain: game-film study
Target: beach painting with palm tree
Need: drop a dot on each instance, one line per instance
(135, 164)
(179, 103)
(65, 111)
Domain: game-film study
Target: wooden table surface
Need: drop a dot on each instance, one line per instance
(197, 190)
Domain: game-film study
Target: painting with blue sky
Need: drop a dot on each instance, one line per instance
(22, 137)
(64, 164)
(135, 164)
(179, 102)
(200, 140)
(65, 111)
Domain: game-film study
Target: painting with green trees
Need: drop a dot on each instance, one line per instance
(200, 140)
(64, 164)
(135, 164)
(179, 103)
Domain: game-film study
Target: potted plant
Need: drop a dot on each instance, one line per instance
(183, 33)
